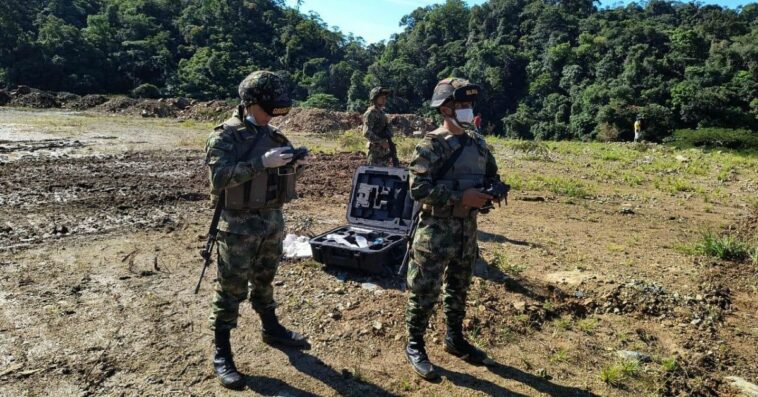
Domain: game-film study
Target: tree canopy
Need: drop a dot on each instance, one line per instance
(550, 69)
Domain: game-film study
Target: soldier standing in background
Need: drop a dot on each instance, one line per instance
(376, 129)
(245, 156)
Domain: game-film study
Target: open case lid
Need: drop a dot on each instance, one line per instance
(381, 199)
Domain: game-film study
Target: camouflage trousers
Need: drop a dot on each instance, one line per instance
(379, 156)
(443, 252)
(246, 268)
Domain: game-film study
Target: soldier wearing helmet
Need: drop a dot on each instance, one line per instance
(376, 129)
(448, 170)
(245, 156)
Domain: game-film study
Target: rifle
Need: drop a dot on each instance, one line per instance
(212, 237)
(417, 208)
(393, 153)
(213, 230)
(404, 264)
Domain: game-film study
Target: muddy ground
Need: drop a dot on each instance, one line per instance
(102, 219)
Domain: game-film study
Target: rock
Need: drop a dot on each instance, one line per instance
(696, 321)
(542, 372)
(681, 159)
(377, 325)
(746, 388)
(399, 337)
(21, 90)
(181, 103)
(520, 306)
(370, 286)
(632, 355)
(536, 199)
(626, 211)
(335, 315)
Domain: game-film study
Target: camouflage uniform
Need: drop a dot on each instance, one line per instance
(444, 248)
(376, 128)
(249, 241)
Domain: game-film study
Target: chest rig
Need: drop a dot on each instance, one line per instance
(269, 189)
(468, 171)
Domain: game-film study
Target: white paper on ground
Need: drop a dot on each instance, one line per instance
(297, 246)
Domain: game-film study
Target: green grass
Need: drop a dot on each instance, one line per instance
(620, 371)
(563, 323)
(406, 146)
(612, 375)
(567, 187)
(670, 364)
(559, 356)
(587, 325)
(501, 261)
(725, 246)
(352, 141)
(532, 150)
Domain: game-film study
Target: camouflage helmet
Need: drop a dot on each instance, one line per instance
(460, 90)
(376, 92)
(267, 90)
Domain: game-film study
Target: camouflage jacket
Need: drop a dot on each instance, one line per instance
(376, 126)
(431, 154)
(228, 141)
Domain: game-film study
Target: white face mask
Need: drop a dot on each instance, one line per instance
(465, 116)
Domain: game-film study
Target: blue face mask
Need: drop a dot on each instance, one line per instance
(251, 119)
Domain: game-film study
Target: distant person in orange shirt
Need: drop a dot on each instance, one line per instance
(637, 130)
(478, 123)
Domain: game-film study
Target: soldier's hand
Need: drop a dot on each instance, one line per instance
(302, 162)
(275, 158)
(473, 198)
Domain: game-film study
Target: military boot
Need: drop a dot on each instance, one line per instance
(223, 364)
(458, 346)
(416, 354)
(274, 333)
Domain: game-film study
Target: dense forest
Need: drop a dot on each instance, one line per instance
(550, 69)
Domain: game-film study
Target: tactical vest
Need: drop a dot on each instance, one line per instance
(468, 171)
(270, 188)
(382, 125)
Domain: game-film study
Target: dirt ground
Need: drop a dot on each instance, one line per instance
(102, 220)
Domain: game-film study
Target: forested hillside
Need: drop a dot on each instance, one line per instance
(550, 69)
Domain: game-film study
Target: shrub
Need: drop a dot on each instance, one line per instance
(725, 246)
(715, 138)
(352, 141)
(322, 101)
(146, 91)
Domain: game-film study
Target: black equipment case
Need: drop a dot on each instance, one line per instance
(381, 211)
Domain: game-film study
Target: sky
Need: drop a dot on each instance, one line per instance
(377, 20)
